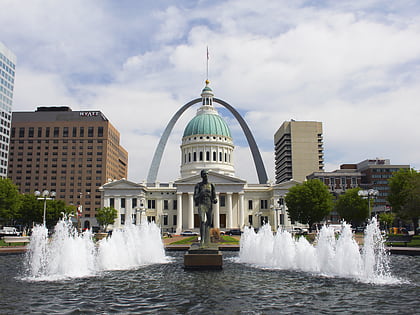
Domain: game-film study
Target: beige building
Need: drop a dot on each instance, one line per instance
(70, 152)
(298, 150)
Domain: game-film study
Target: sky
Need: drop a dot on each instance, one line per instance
(353, 65)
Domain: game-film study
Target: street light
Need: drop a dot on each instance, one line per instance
(367, 194)
(45, 195)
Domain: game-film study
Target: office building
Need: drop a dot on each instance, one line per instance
(70, 152)
(298, 150)
(7, 81)
(375, 175)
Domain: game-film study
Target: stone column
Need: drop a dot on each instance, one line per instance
(179, 212)
(128, 211)
(229, 210)
(216, 212)
(117, 204)
(190, 210)
(241, 209)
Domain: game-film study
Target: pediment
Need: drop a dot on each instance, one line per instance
(122, 184)
(215, 178)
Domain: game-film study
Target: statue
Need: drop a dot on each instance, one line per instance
(204, 197)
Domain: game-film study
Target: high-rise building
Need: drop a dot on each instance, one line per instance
(70, 152)
(7, 81)
(298, 150)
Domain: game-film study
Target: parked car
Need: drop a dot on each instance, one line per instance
(234, 232)
(9, 231)
(299, 231)
(189, 233)
(167, 234)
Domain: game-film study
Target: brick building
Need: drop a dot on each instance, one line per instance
(70, 152)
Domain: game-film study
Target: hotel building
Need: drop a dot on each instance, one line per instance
(70, 152)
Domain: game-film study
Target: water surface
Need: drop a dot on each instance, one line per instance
(237, 289)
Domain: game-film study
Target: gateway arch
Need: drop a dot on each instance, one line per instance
(157, 157)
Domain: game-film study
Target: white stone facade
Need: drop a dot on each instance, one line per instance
(171, 205)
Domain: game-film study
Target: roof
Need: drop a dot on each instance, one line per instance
(207, 124)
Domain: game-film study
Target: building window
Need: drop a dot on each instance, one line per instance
(81, 132)
(165, 219)
(151, 204)
(222, 200)
(56, 131)
(90, 131)
(133, 203)
(122, 203)
(175, 204)
(47, 132)
(65, 131)
(249, 204)
(112, 202)
(100, 131)
(174, 218)
(165, 204)
(31, 132)
(21, 132)
(264, 204)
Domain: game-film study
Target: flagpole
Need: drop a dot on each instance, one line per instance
(207, 63)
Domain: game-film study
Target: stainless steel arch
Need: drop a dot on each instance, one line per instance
(157, 157)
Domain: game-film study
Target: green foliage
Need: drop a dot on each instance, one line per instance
(31, 210)
(9, 200)
(309, 202)
(351, 207)
(404, 194)
(106, 216)
(387, 218)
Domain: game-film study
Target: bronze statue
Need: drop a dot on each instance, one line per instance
(204, 197)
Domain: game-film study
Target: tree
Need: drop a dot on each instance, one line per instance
(32, 210)
(106, 216)
(9, 200)
(404, 195)
(351, 207)
(387, 218)
(309, 202)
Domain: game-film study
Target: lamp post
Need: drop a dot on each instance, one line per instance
(45, 195)
(368, 194)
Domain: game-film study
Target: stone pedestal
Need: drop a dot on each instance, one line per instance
(203, 258)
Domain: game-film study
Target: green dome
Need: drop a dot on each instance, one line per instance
(207, 124)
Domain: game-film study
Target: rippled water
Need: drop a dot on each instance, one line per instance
(237, 289)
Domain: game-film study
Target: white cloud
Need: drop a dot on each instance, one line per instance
(352, 65)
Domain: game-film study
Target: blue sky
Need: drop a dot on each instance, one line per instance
(354, 65)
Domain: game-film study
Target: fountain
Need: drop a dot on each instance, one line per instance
(329, 256)
(129, 273)
(69, 254)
